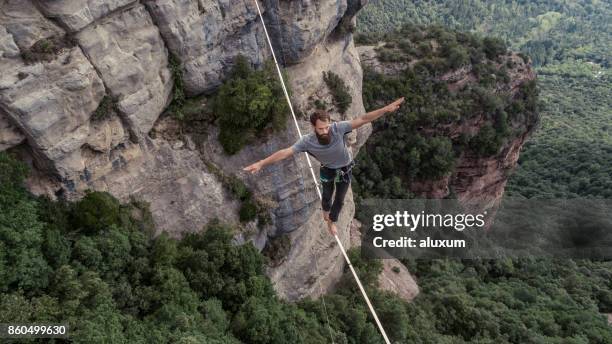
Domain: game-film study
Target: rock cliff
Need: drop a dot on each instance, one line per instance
(83, 84)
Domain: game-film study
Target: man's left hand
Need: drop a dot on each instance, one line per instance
(395, 105)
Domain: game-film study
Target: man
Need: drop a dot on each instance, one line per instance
(327, 145)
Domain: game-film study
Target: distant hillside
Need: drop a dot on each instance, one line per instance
(569, 45)
(549, 31)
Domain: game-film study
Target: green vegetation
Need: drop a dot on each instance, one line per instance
(248, 105)
(191, 112)
(522, 300)
(339, 91)
(110, 280)
(547, 31)
(105, 109)
(399, 151)
(438, 50)
(568, 44)
(177, 104)
(251, 208)
(570, 155)
(47, 49)
(511, 301)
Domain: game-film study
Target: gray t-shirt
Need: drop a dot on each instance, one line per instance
(333, 155)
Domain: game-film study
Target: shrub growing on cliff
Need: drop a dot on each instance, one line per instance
(493, 47)
(47, 49)
(339, 91)
(178, 90)
(250, 208)
(486, 142)
(249, 104)
(104, 110)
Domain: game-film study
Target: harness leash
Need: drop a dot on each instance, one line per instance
(363, 292)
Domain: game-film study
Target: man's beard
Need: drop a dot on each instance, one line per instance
(323, 139)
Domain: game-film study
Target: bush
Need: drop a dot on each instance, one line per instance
(250, 208)
(105, 109)
(248, 211)
(487, 142)
(178, 89)
(339, 91)
(248, 104)
(96, 212)
(47, 49)
(493, 47)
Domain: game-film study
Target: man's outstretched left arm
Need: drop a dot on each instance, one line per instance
(370, 116)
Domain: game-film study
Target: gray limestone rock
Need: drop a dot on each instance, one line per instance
(76, 14)
(9, 135)
(106, 134)
(122, 52)
(8, 48)
(183, 195)
(51, 102)
(25, 23)
(206, 35)
(297, 27)
(130, 56)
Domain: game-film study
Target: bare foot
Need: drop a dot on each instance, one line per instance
(326, 216)
(331, 226)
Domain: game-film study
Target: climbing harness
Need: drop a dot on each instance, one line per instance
(340, 175)
(363, 292)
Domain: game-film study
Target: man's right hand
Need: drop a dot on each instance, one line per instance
(253, 168)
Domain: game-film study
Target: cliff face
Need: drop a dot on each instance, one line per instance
(83, 84)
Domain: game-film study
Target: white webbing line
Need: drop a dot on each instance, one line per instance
(314, 178)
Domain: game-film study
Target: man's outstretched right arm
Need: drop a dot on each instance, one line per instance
(279, 155)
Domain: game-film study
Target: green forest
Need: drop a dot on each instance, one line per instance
(399, 152)
(569, 155)
(95, 265)
(569, 45)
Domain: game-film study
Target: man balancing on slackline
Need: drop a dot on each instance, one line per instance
(327, 145)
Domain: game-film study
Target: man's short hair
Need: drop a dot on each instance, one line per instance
(319, 115)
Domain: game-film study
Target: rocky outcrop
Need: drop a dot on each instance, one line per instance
(24, 23)
(127, 50)
(84, 84)
(475, 180)
(394, 277)
(206, 36)
(49, 102)
(74, 15)
(289, 182)
(9, 135)
(296, 27)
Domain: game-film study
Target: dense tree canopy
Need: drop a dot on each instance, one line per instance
(399, 151)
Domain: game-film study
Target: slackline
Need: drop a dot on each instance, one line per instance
(363, 292)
